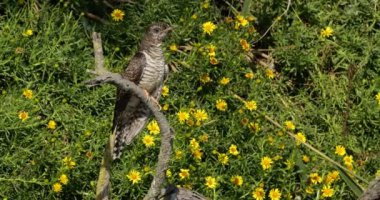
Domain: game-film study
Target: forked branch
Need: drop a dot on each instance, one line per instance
(104, 76)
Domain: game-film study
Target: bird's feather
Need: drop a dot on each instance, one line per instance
(130, 115)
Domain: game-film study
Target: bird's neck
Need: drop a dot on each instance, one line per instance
(154, 50)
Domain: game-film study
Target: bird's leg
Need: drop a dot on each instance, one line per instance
(152, 99)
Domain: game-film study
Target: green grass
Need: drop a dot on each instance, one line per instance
(326, 86)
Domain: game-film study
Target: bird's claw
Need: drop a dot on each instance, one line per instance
(153, 100)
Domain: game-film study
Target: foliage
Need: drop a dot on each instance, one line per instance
(325, 85)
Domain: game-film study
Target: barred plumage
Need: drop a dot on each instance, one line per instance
(148, 70)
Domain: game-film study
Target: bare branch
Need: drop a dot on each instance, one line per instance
(172, 192)
(98, 51)
(373, 190)
(167, 134)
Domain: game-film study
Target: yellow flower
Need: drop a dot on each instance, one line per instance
(327, 191)
(206, 4)
(147, 169)
(289, 164)
(64, 179)
(210, 182)
(68, 162)
(205, 78)
(331, 177)
(348, 160)
(165, 91)
(224, 81)
(241, 20)
(233, 150)
(184, 174)
(214, 61)
(27, 33)
(378, 98)
(165, 107)
(134, 176)
(194, 16)
(208, 27)
(289, 125)
(23, 115)
(306, 158)
(258, 193)
(183, 116)
(349, 166)
(223, 158)
(28, 93)
(315, 178)
(277, 157)
(309, 190)
(275, 194)
(211, 50)
(197, 154)
(327, 32)
(168, 173)
(203, 138)
(221, 105)
(237, 180)
(244, 45)
(266, 162)
(194, 144)
(300, 138)
(52, 125)
(57, 187)
(190, 122)
(269, 73)
(200, 115)
(249, 75)
(178, 154)
(153, 127)
(250, 105)
(148, 140)
(340, 150)
(253, 126)
(117, 15)
(173, 47)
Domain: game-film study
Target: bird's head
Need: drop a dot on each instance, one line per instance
(156, 33)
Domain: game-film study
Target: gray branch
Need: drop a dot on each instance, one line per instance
(104, 76)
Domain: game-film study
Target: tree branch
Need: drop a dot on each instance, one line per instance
(104, 76)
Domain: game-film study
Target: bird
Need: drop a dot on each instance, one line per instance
(148, 70)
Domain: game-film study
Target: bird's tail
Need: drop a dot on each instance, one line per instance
(126, 132)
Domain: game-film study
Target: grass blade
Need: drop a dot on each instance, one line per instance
(356, 189)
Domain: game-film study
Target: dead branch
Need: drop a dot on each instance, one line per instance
(104, 76)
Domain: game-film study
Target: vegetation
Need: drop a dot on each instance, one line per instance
(316, 72)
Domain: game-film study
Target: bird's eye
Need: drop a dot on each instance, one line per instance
(156, 30)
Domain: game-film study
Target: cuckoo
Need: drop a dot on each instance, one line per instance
(148, 70)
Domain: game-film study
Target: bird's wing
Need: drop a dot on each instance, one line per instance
(133, 73)
(130, 115)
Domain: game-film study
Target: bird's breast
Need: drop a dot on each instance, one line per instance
(153, 72)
